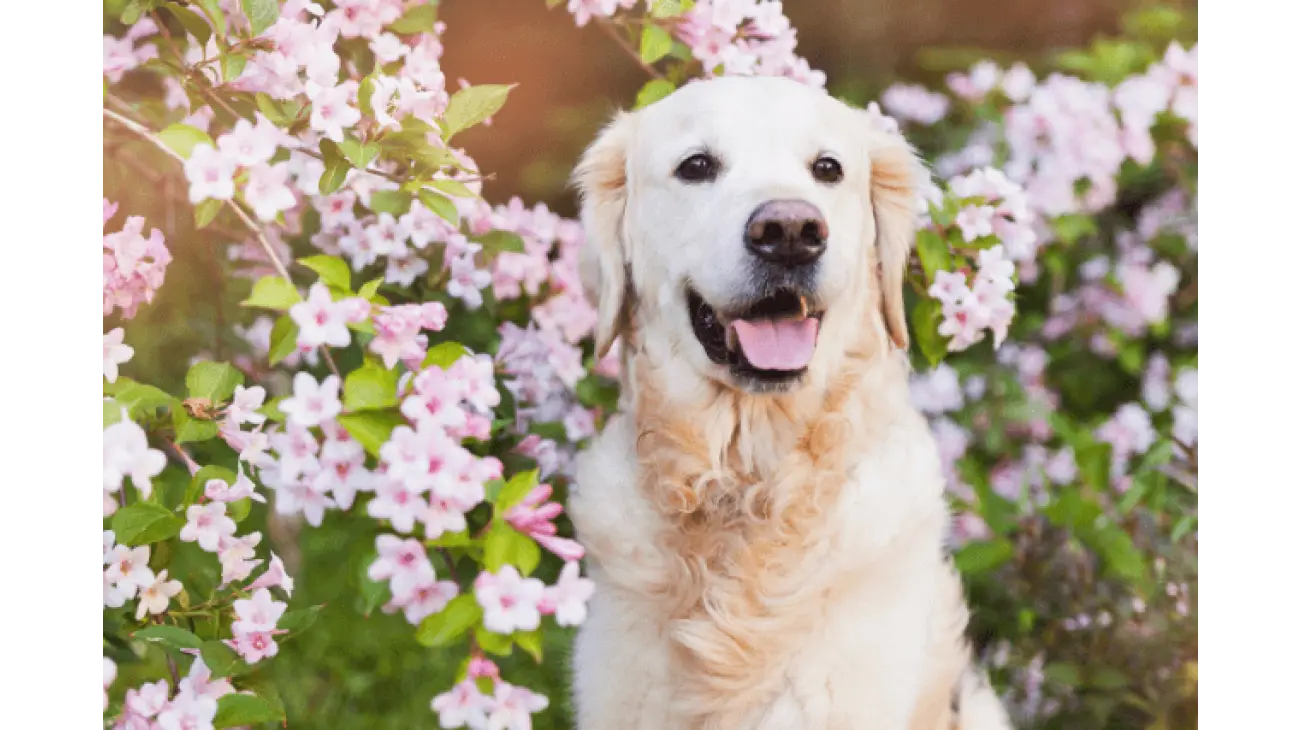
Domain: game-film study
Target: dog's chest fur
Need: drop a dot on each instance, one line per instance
(788, 581)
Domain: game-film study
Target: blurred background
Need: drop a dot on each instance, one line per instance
(355, 672)
(572, 79)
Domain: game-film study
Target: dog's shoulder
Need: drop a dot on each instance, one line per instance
(607, 506)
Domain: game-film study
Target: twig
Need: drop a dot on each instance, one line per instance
(623, 43)
(189, 462)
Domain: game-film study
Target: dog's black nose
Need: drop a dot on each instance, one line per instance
(787, 232)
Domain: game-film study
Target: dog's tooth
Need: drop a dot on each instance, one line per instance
(732, 342)
(803, 307)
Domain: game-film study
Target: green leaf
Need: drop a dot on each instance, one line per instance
(237, 710)
(440, 205)
(206, 212)
(472, 105)
(1184, 526)
(144, 523)
(370, 387)
(516, 489)
(444, 355)
(192, 22)
(531, 642)
(655, 43)
(670, 8)
(112, 412)
(336, 167)
(982, 556)
(392, 202)
(262, 14)
(654, 90)
(272, 292)
(232, 66)
(926, 316)
(360, 155)
(215, 381)
(1071, 511)
(450, 623)
(1119, 553)
(492, 642)
(296, 622)
(1107, 678)
(190, 429)
(270, 108)
(331, 269)
(213, 10)
(933, 252)
(284, 339)
(173, 637)
(504, 545)
(419, 19)
(494, 242)
(369, 289)
(1062, 673)
(371, 428)
(240, 509)
(139, 399)
(221, 659)
(182, 138)
(454, 188)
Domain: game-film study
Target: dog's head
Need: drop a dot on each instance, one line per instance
(755, 228)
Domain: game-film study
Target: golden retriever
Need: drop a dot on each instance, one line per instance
(764, 517)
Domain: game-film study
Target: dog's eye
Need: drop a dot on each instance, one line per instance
(698, 168)
(827, 170)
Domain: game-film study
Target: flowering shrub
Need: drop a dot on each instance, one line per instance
(414, 370)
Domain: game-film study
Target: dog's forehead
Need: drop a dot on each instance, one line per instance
(739, 111)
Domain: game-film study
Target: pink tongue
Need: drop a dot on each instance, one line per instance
(785, 344)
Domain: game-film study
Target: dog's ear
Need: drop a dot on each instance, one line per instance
(602, 180)
(896, 178)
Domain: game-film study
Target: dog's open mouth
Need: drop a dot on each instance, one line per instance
(772, 340)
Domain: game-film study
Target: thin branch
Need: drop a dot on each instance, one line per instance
(613, 32)
(147, 134)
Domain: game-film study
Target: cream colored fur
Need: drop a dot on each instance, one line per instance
(763, 561)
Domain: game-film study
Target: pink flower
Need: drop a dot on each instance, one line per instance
(247, 145)
(395, 502)
(245, 403)
(127, 453)
(259, 613)
(236, 556)
(912, 103)
(320, 319)
(567, 599)
(254, 646)
(188, 712)
(148, 700)
(267, 191)
(128, 569)
(275, 576)
(423, 598)
(312, 403)
(155, 596)
(115, 353)
(461, 706)
(435, 402)
(975, 221)
(512, 707)
(199, 682)
(207, 524)
(402, 562)
(210, 173)
(509, 600)
(331, 111)
(133, 266)
(105, 670)
(533, 517)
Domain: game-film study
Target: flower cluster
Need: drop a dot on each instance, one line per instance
(971, 308)
(133, 265)
(506, 706)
